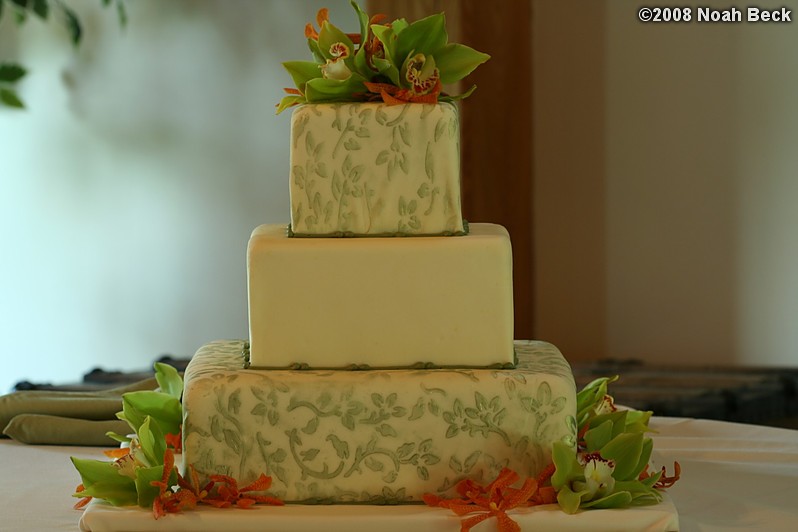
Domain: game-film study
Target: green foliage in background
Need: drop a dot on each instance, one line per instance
(10, 72)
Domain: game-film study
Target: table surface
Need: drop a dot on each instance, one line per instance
(734, 477)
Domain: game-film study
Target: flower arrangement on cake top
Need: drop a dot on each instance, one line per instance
(395, 62)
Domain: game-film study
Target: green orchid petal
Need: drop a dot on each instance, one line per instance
(164, 409)
(101, 479)
(567, 467)
(569, 500)
(289, 101)
(313, 44)
(118, 437)
(651, 480)
(599, 436)
(456, 61)
(645, 456)
(638, 489)
(619, 499)
(145, 476)
(169, 380)
(425, 36)
(363, 18)
(302, 72)
(326, 90)
(625, 450)
(152, 441)
(463, 96)
(387, 69)
(387, 36)
(330, 35)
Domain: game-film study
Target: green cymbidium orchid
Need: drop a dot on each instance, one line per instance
(610, 466)
(396, 62)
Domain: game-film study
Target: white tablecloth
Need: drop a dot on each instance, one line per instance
(734, 477)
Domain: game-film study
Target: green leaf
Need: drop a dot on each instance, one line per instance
(41, 8)
(169, 380)
(9, 97)
(101, 479)
(73, 24)
(456, 61)
(302, 72)
(425, 36)
(121, 12)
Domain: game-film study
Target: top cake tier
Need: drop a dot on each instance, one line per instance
(371, 169)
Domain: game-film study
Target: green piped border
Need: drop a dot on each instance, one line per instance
(301, 366)
(348, 234)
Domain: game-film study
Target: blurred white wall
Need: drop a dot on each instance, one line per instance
(129, 187)
(666, 166)
(665, 200)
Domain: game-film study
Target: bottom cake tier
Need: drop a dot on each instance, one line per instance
(374, 436)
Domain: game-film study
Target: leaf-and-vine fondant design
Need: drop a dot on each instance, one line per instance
(379, 436)
(374, 169)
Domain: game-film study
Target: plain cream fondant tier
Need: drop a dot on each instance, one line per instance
(377, 436)
(375, 169)
(380, 302)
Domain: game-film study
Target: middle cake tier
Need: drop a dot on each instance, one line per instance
(381, 302)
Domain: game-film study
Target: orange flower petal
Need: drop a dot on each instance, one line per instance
(322, 16)
(117, 453)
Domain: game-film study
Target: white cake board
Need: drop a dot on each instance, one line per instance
(102, 517)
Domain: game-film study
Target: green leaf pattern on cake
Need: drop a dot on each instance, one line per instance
(322, 444)
(374, 169)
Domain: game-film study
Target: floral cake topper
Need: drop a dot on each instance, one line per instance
(395, 62)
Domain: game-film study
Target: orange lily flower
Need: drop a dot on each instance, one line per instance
(169, 501)
(393, 95)
(84, 501)
(228, 493)
(664, 480)
(323, 16)
(496, 498)
(175, 441)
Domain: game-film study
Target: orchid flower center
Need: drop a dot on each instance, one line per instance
(336, 68)
(422, 74)
(598, 474)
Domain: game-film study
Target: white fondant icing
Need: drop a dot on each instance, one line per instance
(382, 302)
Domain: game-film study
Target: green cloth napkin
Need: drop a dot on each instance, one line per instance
(60, 417)
(55, 430)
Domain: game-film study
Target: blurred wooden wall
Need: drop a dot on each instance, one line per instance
(496, 123)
